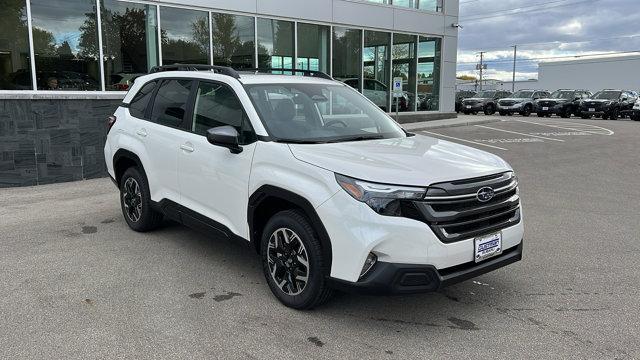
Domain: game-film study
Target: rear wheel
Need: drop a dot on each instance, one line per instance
(135, 200)
(526, 111)
(502, 113)
(541, 115)
(292, 261)
(614, 114)
(585, 116)
(566, 113)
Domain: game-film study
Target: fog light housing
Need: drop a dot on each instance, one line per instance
(371, 260)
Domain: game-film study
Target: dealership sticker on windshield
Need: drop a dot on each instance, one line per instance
(488, 246)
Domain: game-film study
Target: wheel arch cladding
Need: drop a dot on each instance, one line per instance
(124, 159)
(268, 200)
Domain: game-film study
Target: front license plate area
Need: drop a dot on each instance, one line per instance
(468, 106)
(487, 246)
(592, 110)
(545, 108)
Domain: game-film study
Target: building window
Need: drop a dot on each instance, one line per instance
(185, 36)
(15, 67)
(129, 41)
(313, 47)
(431, 5)
(404, 66)
(347, 56)
(376, 67)
(275, 44)
(233, 40)
(65, 38)
(428, 73)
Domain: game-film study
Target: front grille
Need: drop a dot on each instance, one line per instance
(454, 213)
(507, 102)
(547, 103)
(471, 102)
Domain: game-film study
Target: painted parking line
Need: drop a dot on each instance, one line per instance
(579, 127)
(467, 141)
(518, 133)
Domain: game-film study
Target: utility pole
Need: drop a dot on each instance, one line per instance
(513, 82)
(481, 67)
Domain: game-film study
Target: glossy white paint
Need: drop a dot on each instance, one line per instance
(417, 160)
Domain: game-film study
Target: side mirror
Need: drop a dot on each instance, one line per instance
(225, 136)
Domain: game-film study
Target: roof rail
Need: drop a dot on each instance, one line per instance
(310, 73)
(223, 70)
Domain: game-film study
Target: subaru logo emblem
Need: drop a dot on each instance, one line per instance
(485, 194)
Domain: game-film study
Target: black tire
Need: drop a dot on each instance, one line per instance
(566, 113)
(490, 109)
(502, 113)
(585, 116)
(466, 112)
(145, 218)
(541, 115)
(316, 291)
(526, 111)
(613, 115)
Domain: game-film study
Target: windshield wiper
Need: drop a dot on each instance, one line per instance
(299, 141)
(357, 138)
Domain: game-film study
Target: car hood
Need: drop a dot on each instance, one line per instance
(478, 99)
(599, 100)
(416, 160)
(515, 99)
(554, 100)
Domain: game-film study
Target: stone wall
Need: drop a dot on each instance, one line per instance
(44, 141)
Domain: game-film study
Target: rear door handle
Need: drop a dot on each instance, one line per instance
(142, 132)
(187, 148)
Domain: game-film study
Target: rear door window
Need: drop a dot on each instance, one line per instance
(170, 103)
(138, 105)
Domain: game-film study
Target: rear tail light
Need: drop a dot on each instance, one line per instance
(111, 120)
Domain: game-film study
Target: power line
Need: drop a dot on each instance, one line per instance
(474, 18)
(553, 57)
(498, 48)
(513, 9)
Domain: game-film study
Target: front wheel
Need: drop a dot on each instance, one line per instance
(490, 109)
(292, 261)
(614, 114)
(135, 200)
(526, 111)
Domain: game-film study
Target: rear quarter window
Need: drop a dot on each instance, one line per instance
(139, 103)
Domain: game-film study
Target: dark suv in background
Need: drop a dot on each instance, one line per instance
(521, 102)
(563, 102)
(461, 95)
(484, 101)
(608, 104)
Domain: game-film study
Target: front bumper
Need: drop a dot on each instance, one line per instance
(510, 109)
(390, 278)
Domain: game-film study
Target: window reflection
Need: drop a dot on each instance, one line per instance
(428, 74)
(376, 72)
(233, 40)
(347, 56)
(65, 38)
(185, 36)
(404, 66)
(275, 44)
(15, 69)
(129, 41)
(313, 47)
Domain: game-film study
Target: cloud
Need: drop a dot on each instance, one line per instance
(544, 31)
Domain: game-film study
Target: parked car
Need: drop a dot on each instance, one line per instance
(484, 101)
(563, 102)
(521, 102)
(608, 104)
(635, 114)
(329, 197)
(461, 95)
(373, 89)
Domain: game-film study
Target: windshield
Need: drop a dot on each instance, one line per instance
(486, 94)
(562, 94)
(607, 95)
(315, 113)
(522, 94)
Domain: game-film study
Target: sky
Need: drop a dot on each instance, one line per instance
(542, 29)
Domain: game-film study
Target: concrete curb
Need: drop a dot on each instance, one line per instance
(439, 124)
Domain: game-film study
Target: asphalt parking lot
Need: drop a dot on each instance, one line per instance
(77, 283)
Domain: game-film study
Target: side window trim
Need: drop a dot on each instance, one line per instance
(245, 116)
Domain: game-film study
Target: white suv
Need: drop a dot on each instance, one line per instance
(327, 188)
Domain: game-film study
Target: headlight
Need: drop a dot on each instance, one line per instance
(382, 198)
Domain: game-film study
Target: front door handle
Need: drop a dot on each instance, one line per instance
(142, 132)
(187, 148)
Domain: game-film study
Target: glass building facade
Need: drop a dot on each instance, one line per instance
(103, 45)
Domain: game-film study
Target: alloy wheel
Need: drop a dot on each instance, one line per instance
(132, 199)
(288, 261)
